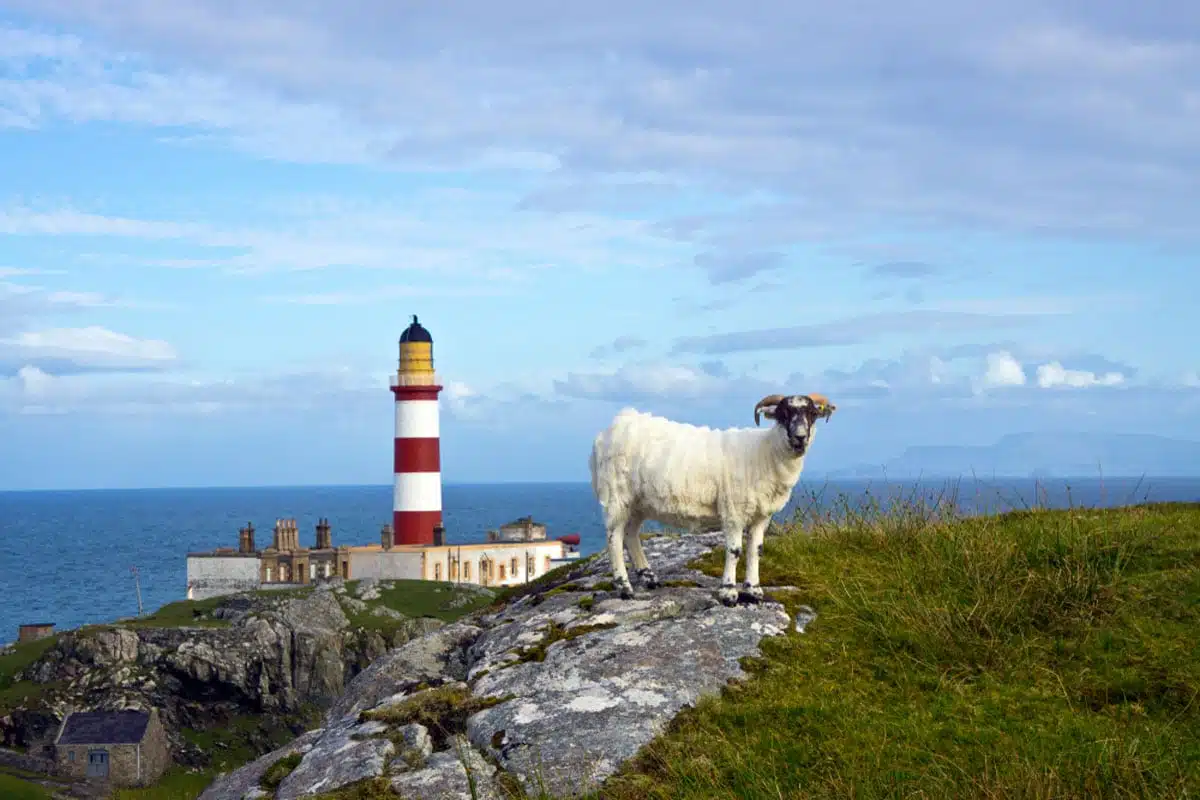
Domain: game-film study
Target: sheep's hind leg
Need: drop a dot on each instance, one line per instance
(616, 555)
(751, 590)
(641, 565)
(728, 593)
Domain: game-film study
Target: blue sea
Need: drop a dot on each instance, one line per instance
(66, 557)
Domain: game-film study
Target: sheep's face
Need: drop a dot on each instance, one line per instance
(797, 415)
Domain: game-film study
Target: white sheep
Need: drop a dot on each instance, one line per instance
(645, 467)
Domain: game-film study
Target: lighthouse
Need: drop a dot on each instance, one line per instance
(417, 499)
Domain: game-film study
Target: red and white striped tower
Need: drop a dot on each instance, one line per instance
(417, 501)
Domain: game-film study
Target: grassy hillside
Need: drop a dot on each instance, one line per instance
(1033, 654)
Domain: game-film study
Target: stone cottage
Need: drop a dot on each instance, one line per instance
(122, 748)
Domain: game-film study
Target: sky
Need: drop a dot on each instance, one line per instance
(958, 221)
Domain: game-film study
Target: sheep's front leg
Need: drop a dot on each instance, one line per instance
(728, 593)
(751, 591)
(641, 565)
(616, 555)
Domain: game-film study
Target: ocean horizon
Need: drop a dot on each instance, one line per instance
(66, 555)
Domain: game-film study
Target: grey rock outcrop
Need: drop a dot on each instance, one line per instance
(554, 691)
(445, 775)
(341, 756)
(279, 656)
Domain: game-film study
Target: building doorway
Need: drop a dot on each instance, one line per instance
(97, 764)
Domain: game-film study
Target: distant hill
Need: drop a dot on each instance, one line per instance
(1044, 455)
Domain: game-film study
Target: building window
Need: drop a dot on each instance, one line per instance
(437, 572)
(515, 567)
(70, 755)
(268, 571)
(547, 563)
(467, 571)
(453, 569)
(502, 576)
(312, 571)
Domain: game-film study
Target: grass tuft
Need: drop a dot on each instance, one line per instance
(557, 633)
(443, 711)
(280, 770)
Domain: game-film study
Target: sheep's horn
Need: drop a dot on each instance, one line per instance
(769, 400)
(822, 402)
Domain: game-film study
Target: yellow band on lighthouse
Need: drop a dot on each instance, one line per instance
(416, 360)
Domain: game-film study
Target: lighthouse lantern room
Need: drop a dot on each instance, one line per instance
(417, 500)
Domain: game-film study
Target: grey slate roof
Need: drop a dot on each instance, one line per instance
(105, 727)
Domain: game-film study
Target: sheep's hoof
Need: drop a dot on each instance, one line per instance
(648, 579)
(752, 595)
(728, 595)
(625, 591)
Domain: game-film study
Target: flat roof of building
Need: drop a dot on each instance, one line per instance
(424, 548)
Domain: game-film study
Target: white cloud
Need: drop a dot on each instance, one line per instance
(1090, 124)
(1054, 374)
(89, 347)
(1003, 370)
(452, 234)
(639, 381)
(388, 293)
(33, 382)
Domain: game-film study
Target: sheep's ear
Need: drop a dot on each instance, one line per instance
(767, 406)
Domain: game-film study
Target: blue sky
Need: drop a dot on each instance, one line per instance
(216, 219)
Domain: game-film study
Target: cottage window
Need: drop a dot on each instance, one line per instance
(437, 572)
(516, 567)
(502, 572)
(70, 755)
(453, 570)
(547, 563)
(467, 571)
(312, 571)
(268, 572)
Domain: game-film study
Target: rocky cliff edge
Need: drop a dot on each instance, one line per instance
(549, 695)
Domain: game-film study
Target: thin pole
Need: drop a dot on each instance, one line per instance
(137, 586)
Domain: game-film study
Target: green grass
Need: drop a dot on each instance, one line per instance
(547, 581)
(177, 783)
(241, 738)
(181, 614)
(1031, 654)
(23, 655)
(12, 691)
(443, 710)
(280, 770)
(412, 598)
(13, 787)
